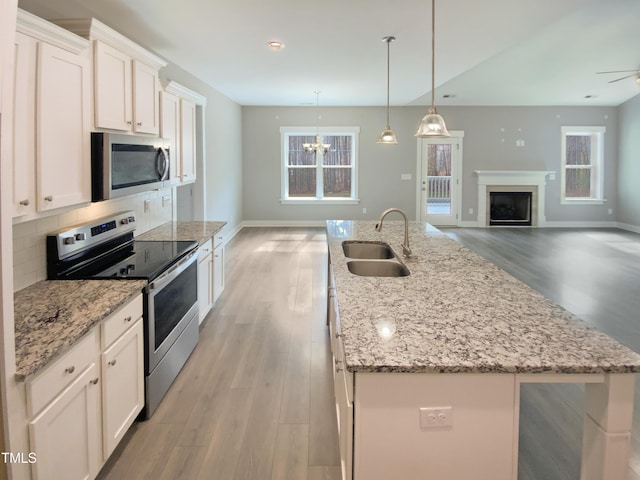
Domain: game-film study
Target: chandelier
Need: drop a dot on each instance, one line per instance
(432, 124)
(318, 146)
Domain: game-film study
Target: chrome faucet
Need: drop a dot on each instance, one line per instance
(406, 251)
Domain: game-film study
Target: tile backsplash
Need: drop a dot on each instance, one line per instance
(29, 238)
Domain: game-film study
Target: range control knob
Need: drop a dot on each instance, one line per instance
(124, 221)
(69, 240)
(131, 219)
(80, 236)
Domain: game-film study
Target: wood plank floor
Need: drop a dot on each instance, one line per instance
(594, 273)
(255, 400)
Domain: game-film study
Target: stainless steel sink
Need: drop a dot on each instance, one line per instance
(377, 269)
(372, 250)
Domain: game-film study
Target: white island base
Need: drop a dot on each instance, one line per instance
(390, 441)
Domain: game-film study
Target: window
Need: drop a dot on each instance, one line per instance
(309, 177)
(582, 164)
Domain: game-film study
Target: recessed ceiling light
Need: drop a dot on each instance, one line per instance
(275, 45)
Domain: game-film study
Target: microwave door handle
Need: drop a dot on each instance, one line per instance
(162, 164)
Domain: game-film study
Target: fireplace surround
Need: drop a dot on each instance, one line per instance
(515, 181)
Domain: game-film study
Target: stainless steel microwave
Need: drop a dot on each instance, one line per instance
(126, 164)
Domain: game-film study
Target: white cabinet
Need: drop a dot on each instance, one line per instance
(170, 129)
(65, 436)
(205, 279)
(51, 117)
(188, 140)
(218, 267)
(123, 385)
(126, 92)
(343, 386)
(63, 147)
(64, 404)
(82, 404)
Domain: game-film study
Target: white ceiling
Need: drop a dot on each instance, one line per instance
(491, 52)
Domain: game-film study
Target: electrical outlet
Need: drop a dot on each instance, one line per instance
(436, 417)
(364, 211)
(471, 211)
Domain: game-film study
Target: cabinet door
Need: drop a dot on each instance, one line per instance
(205, 280)
(112, 88)
(145, 99)
(63, 164)
(123, 386)
(218, 272)
(188, 140)
(24, 125)
(65, 436)
(170, 129)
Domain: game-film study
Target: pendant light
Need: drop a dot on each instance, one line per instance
(432, 124)
(313, 148)
(388, 136)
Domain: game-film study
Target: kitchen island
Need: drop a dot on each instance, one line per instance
(429, 366)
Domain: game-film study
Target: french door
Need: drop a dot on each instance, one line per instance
(439, 168)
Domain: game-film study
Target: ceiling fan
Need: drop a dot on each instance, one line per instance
(632, 73)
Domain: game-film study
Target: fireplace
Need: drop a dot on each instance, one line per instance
(510, 208)
(518, 183)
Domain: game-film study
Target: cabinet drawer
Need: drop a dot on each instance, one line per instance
(205, 250)
(54, 378)
(119, 322)
(217, 241)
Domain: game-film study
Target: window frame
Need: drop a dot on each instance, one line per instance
(596, 167)
(285, 133)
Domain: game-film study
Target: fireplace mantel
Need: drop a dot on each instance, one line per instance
(513, 179)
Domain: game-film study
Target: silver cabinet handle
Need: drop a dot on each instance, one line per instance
(112, 362)
(94, 381)
(338, 335)
(25, 202)
(128, 122)
(127, 319)
(139, 124)
(49, 198)
(70, 369)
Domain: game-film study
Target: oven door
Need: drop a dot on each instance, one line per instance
(172, 301)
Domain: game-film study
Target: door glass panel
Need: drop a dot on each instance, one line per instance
(438, 179)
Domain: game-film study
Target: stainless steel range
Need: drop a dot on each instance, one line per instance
(106, 249)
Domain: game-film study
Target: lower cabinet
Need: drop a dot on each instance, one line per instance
(205, 279)
(342, 386)
(82, 404)
(122, 386)
(65, 436)
(218, 267)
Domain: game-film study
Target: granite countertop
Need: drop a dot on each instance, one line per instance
(457, 312)
(197, 231)
(52, 315)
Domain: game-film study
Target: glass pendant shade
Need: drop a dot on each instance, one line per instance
(388, 137)
(432, 125)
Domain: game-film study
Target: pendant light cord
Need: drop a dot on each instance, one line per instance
(433, 53)
(388, 68)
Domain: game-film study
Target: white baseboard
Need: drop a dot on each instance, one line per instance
(626, 226)
(580, 224)
(283, 223)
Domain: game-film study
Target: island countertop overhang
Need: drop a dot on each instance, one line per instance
(457, 313)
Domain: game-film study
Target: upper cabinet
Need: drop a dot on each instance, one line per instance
(51, 117)
(179, 124)
(126, 81)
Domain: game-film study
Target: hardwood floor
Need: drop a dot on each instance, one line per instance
(594, 273)
(255, 400)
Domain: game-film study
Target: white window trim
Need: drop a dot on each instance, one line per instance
(312, 131)
(597, 168)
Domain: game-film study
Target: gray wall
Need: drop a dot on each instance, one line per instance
(629, 163)
(222, 178)
(489, 140)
